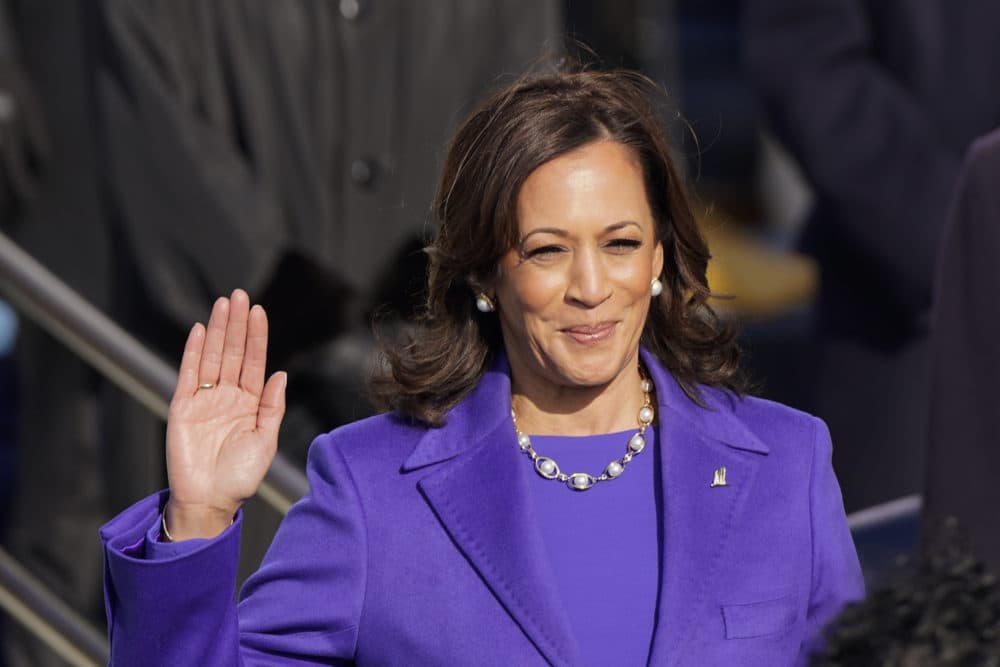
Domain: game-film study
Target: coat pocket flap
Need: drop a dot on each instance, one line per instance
(759, 618)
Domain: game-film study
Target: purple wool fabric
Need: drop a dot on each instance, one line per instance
(603, 544)
(412, 549)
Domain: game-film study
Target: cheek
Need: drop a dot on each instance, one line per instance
(542, 289)
(523, 312)
(530, 293)
(633, 277)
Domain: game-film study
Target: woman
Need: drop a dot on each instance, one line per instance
(567, 473)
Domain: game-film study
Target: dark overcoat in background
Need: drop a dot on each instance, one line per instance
(878, 101)
(292, 147)
(964, 449)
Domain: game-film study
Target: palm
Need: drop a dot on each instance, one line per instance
(215, 444)
(221, 439)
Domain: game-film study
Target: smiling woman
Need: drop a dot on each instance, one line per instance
(554, 166)
(567, 472)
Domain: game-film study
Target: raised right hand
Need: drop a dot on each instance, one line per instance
(221, 440)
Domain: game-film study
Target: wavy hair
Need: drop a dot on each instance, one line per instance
(445, 353)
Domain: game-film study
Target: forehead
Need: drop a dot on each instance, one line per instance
(601, 182)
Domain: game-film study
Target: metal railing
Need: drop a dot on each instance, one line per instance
(900, 509)
(49, 618)
(112, 351)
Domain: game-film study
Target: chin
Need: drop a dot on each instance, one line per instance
(592, 368)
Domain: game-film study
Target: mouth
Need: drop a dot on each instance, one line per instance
(589, 334)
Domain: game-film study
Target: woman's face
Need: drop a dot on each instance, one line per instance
(573, 296)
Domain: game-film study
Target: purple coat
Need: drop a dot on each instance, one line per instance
(417, 546)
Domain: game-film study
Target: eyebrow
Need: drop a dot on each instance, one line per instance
(614, 227)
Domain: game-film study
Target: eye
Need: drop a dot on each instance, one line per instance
(543, 251)
(624, 245)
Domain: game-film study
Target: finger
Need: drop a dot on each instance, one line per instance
(272, 403)
(255, 360)
(234, 346)
(187, 376)
(211, 355)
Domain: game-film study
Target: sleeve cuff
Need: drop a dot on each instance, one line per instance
(159, 550)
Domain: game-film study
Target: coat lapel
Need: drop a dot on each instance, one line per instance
(479, 493)
(697, 517)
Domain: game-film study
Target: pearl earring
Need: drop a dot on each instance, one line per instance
(484, 304)
(656, 287)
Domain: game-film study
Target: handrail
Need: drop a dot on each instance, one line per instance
(907, 507)
(49, 618)
(113, 351)
(69, 318)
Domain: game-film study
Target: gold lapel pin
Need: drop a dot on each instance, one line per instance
(720, 478)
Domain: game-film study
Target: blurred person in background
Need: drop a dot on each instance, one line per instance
(877, 101)
(307, 134)
(963, 452)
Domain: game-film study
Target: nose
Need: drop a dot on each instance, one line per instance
(588, 280)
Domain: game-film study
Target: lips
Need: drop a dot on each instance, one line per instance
(591, 334)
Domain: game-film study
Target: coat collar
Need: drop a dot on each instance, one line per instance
(717, 421)
(479, 493)
(485, 408)
(488, 405)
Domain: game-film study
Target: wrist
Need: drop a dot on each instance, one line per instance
(180, 523)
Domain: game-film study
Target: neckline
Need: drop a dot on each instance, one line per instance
(592, 436)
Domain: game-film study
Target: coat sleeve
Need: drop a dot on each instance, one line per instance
(862, 139)
(302, 607)
(193, 212)
(836, 573)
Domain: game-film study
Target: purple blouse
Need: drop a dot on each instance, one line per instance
(603, 543)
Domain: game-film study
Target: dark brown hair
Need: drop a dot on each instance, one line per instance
(510, 135)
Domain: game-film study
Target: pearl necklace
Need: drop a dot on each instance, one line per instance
(581, 481)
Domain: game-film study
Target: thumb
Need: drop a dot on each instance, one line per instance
(272, 403)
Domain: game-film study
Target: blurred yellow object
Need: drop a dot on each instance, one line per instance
(764, 282)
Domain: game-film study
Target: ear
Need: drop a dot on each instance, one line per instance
(658, 260)
(480, 285)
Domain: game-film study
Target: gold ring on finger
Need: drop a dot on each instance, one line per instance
(206, 385)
